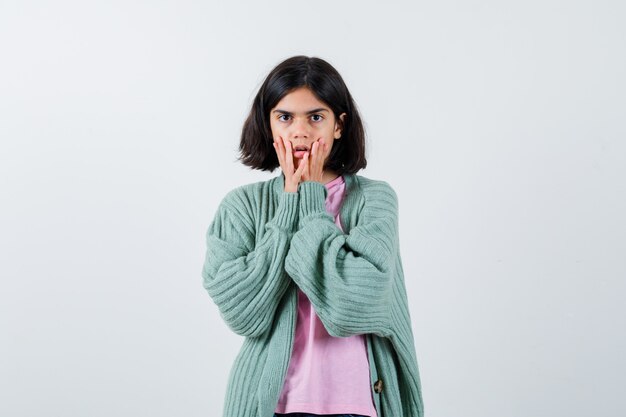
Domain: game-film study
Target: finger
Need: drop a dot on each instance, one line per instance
(320, 150)
(317, 160)
(288, 156)
(313, 152)
(279, 153)
(281, 146)
(276, 148)
(302, 166)
(306, 168)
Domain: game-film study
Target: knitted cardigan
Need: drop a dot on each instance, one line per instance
(263, 241)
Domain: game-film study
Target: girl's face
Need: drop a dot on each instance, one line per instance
(300, 118)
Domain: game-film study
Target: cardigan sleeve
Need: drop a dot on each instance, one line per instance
(347, 277)
(246, 281)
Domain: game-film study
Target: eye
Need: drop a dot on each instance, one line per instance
(320, 117)
(282, 115)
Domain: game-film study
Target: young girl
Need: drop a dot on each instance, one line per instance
(306, 266)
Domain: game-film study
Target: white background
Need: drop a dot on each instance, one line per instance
(500, 124)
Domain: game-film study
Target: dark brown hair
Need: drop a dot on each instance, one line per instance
(256, 146)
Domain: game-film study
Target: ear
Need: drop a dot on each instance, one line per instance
(339, 125)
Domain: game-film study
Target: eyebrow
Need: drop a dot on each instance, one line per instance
(309, 112)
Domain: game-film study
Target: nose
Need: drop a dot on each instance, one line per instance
(300, 129)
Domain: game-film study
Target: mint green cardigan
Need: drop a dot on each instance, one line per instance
(264, 241)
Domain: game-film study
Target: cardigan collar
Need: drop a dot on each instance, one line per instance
(279, 183)
(347, 215)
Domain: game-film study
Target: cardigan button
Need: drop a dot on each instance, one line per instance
(378, 386)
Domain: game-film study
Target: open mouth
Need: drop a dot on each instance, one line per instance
(299, 151)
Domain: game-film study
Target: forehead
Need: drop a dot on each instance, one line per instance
(300, 100)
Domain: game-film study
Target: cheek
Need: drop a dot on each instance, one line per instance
(329, 145)
(276, 128)
(327, 135)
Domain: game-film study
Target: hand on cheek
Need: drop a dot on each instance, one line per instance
(285, 158)
(314, 168)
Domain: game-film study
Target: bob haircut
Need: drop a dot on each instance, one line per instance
(256, 146)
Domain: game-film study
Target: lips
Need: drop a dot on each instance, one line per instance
(300, 148)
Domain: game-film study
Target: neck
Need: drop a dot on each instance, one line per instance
(328, 176)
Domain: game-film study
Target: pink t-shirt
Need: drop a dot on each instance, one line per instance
(326, 374)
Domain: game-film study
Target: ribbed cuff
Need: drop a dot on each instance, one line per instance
(312, 197)
(286, 214)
